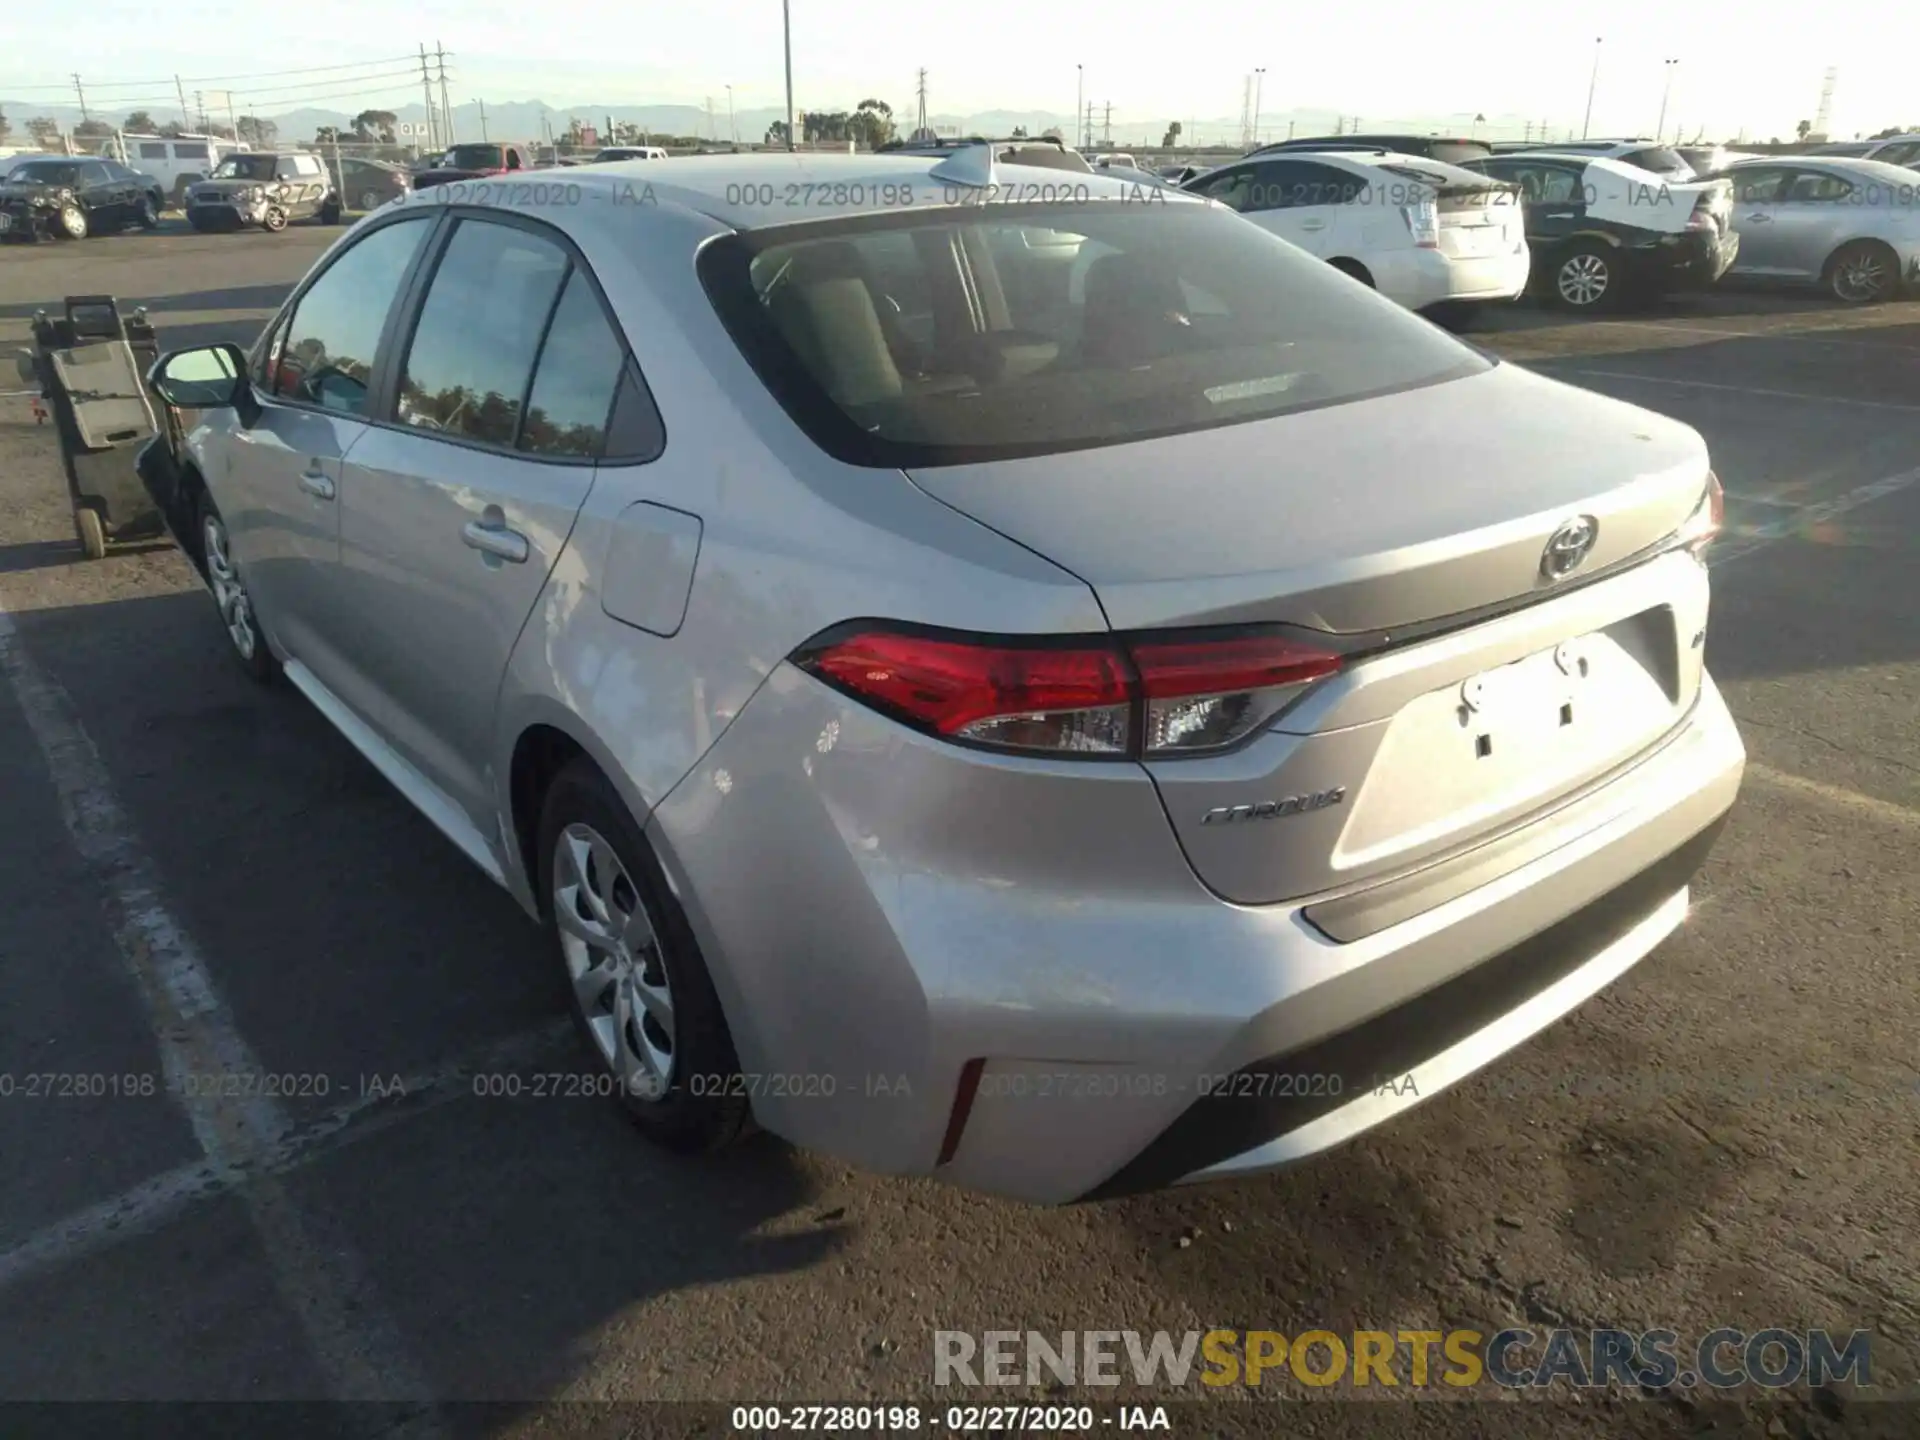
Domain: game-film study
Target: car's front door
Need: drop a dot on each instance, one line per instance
(1817, 213)
(454, 511)
(277, 480)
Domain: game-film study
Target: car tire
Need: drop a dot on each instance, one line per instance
(91, 531)
(275, 220)
(149, 217)
(72, 223)
(229, 590)
(1585, 278)
(1864, 272)
(1354, 269)
(369, 200)
(629, 961)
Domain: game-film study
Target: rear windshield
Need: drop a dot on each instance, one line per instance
(1457, 152)
(475, 157)
(1659, 159)
(954, 336)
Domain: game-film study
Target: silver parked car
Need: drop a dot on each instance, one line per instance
(1065, 743)
(1852, 226)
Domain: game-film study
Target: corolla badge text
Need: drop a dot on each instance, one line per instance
(1275, 809)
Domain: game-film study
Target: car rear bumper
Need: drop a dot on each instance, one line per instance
(1421, 278)
(1692, 261)
(1004, 973)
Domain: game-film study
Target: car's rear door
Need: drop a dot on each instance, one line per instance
(456, 506)
(1758, 191)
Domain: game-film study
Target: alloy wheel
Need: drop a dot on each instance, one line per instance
(614, 960)
(1583, 280)
(73, 220)
(1861, 277)
(229, 593)
(369, 200)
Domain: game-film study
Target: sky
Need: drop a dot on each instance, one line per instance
(1383, 59)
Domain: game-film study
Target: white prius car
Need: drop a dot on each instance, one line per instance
(1420, 232)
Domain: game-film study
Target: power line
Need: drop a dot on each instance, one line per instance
(161, 83)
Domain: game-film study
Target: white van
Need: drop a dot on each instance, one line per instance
(175, 161)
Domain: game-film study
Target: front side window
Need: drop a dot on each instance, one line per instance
(1137, 349)
(1818, 189)
(326, 355)
(473, 350)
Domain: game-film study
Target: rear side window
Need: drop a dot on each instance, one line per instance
(1818, 188)
(326, 355)
(1158, 320)
(473, 350)
(194, 151)
(153, 152)
(574, 383)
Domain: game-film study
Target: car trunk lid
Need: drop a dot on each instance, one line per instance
(1413, 531)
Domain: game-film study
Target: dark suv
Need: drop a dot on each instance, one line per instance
(1448, 150)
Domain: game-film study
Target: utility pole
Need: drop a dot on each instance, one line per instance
(920, 99)
(186, 117)
(1246, 114)
(483, 123)
(1079, 107)
(1259, 83)
(200, 109)
(1106, 128)
(426, 89)
(446, 107)
(1660, 130)
(84, 116)
(786, 26)
(1593, 80)
(733, 125)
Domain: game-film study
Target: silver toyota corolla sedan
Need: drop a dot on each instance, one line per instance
(1851, 226)
(1066, 740)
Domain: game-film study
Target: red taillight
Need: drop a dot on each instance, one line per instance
(1147, 696)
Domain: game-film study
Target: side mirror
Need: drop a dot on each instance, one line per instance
(207, 377)
(26, 367)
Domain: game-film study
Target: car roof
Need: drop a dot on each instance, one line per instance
(755, 191)
(1883, 171)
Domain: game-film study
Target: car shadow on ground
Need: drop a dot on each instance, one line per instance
(507, 1220)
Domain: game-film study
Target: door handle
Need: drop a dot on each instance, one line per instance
(1313, 224)
(1760, 219)
(496, 539)
(316, 484)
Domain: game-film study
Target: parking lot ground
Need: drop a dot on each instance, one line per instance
(200, 879)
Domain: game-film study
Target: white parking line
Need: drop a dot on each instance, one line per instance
(1811, 513)
(1805, 337)
(1834, 797)
(155, 1202)
(356, 1345)
(1657, 380)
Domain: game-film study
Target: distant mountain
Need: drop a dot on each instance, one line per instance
(534, 120)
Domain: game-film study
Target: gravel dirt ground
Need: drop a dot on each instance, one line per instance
(195, 872)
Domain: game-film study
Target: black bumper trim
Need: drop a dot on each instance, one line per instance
(1240, 1115)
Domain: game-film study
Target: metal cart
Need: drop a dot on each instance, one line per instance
(90, 365)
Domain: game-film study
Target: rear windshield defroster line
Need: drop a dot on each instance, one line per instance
(959, 335)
